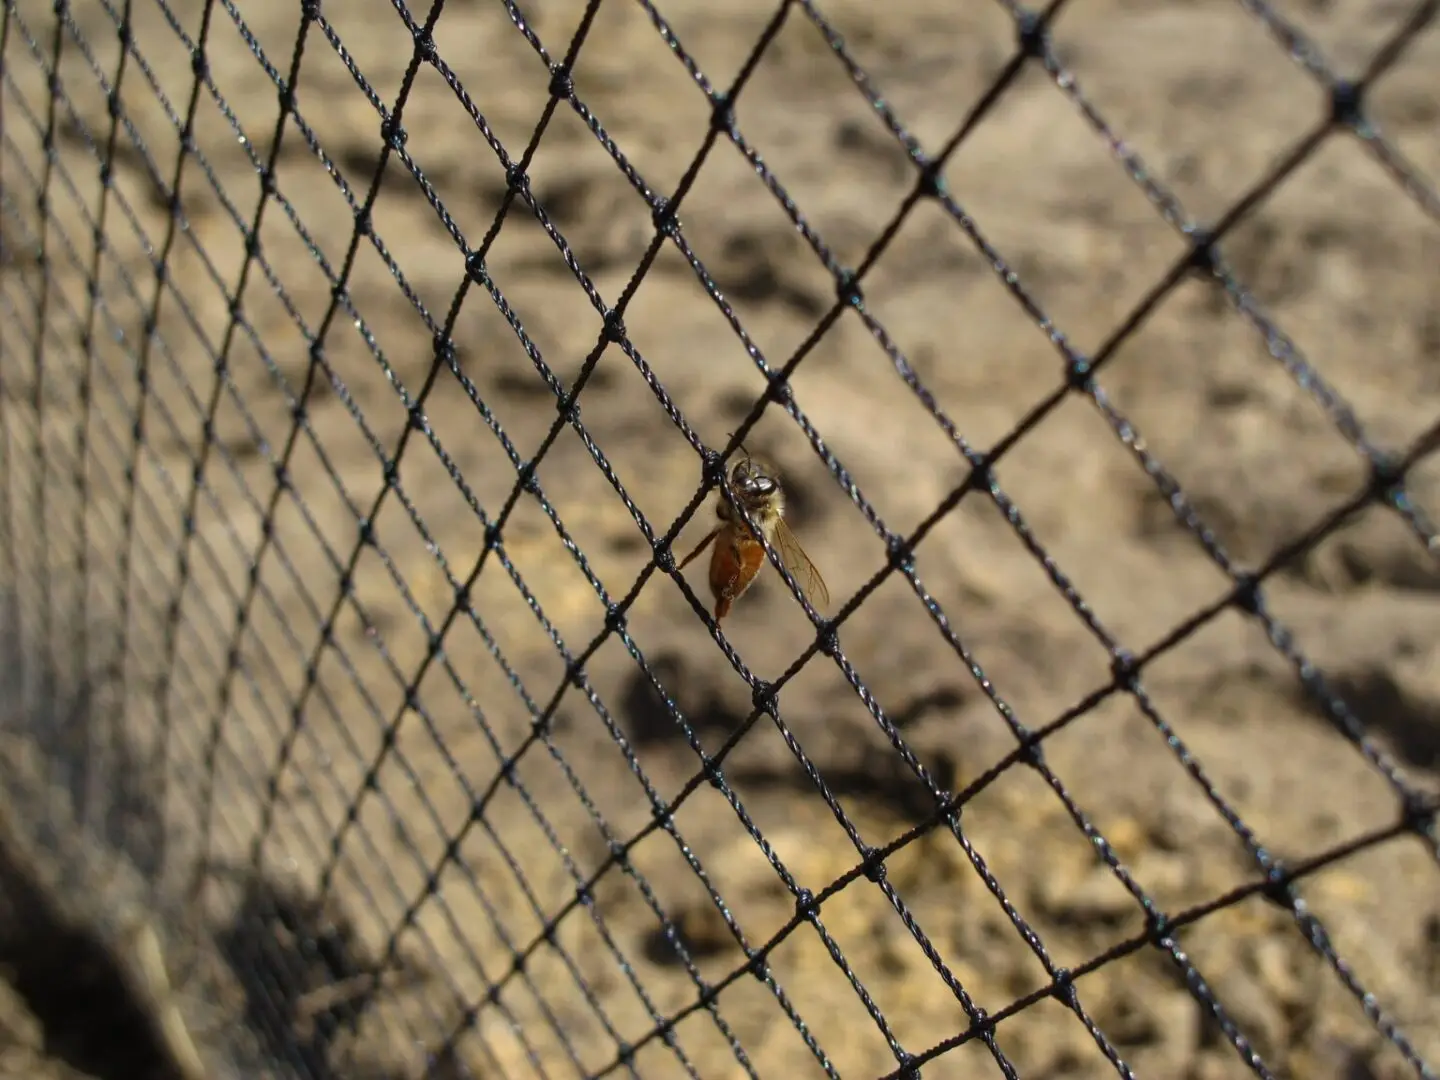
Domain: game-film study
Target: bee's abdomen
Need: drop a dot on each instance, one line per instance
(736, 562)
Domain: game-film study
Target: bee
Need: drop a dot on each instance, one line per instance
(739, 554)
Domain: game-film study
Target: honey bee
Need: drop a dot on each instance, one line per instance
(738, 554)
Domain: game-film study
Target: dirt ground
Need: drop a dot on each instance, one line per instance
(251, 740)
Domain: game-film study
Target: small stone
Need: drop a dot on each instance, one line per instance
(1343, 887)
(1279, 969)
(1255, 1010)
(1094, 899)
(1130, 1019)
(1164, 876)
(1128, 838)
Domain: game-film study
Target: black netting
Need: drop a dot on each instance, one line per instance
(358, 720)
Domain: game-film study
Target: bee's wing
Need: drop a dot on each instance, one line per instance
(799, 564)
(700, 547)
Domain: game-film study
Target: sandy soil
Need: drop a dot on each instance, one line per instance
(260, 746)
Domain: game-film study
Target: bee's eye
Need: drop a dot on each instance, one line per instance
(748, 481)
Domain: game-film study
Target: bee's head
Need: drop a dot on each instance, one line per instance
(753, 480)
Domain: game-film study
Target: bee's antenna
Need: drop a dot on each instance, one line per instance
(742, 446)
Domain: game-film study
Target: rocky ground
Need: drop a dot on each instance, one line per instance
(290, 930)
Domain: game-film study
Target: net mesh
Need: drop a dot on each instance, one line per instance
(356, 711)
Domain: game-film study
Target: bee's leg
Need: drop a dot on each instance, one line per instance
(699, 548)
(722, 607)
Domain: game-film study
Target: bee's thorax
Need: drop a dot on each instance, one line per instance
(763, 510)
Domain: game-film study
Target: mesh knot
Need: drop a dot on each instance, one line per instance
(874, 864)
(1347, 104)
(1279, 888)
(899, 554)
(1157, 928)
(764, 696)
(714, 774)
(982, 474)
(562, 84)
(1032, 753)
(722, 114)
(424, 44)
(614, 331)
(1387, 479)
(392, 134)
(568, 406)
(712, 469)
(847, 289)
(516, 179)
(806, 906)
(618, 854)
(779, 390)
(662, 215)
(614, 618)
(1249, 597)
(1204, 258)
(1124, 670)
(1063, 987)
(1032, 33)
(931, 182)
(1418, 812)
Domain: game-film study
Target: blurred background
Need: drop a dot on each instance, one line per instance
(379, 835)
